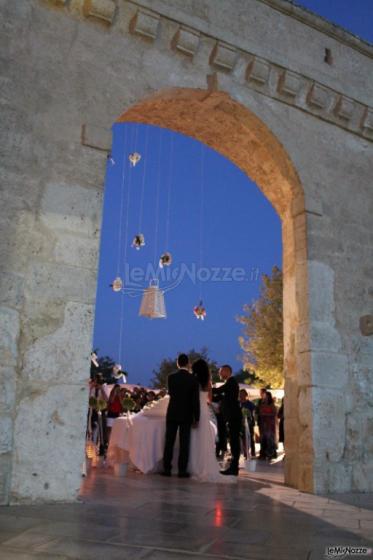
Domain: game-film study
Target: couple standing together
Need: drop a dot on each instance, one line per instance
(189, 413)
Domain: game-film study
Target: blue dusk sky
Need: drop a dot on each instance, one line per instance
(187, 199)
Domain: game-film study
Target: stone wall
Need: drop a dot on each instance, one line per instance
(68, 69)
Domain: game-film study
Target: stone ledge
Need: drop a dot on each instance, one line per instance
(97, 137)
(145, 24)
(186, 41)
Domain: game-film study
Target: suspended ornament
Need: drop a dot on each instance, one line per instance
(199, 311)
(110, 159)
(138, 241)
(152, 304)
(134, 158)
(117, 284)
(165, 260)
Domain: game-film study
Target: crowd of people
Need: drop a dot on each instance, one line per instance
(260, 419)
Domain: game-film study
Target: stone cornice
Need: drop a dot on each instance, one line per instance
(322, 25)
(242, 67)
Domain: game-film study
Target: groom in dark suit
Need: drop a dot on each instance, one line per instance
(231, 411)
(183, 412)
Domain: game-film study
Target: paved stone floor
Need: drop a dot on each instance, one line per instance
(153, 518)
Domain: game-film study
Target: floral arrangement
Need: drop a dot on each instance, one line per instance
(97, 404)
(138, 241)
(199, 311)
(165, 260)
(128, 404)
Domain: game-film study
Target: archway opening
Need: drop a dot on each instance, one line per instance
(218, 121)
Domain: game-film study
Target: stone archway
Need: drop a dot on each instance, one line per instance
(228, 127)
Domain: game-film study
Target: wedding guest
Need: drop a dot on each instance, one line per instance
(281, 417)
(114, 408)
(248, 412)
(267, 427)
(231, 411)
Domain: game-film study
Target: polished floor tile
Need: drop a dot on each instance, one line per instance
(149, 518)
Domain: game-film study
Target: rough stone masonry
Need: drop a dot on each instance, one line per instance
(295, 94)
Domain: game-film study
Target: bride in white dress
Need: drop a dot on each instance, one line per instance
(203, 465)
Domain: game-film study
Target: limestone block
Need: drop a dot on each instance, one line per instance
(70, 344)
(366, 325)
(71, 208)
(76, 250)
(344, 108)
(318, 96)
(362, 477)
(289, 83)
(321, 292)
(7, 389)
(367, 123)
(56, 282)
(11, 289)
(186, 41)
(9, 333)
(223, 56)
(354, 431)
(6, 434)
(339, 477)
(258, 71)
(100, 9)
(329, 432)
(323, 336)
(50, 469)
(5, 472)
(96, 137)
(329, 369)
(145, 24)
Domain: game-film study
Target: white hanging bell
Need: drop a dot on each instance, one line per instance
(152, 303)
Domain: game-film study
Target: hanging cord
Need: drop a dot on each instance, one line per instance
(122, 200)
(201, 224)
(141, 212)
(121, 323)
(169, 192)
(157, 204)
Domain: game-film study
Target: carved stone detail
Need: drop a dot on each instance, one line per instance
(367, 124)
(186, 41)
(258, 70)
(224, 56)
(318, 96)
(100, 9)
(145, 24)
(289, 83)
(344, 108)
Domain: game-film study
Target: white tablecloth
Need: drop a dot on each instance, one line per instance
(138, 439)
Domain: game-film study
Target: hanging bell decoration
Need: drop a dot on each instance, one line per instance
(199, 311)
(152, 304)
(117, 284)
(134, 158)
(165, 260)
(138, 241)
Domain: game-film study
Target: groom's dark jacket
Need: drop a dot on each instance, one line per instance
(184, 406)
(227, 394)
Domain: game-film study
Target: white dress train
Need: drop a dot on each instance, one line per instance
(203, 465)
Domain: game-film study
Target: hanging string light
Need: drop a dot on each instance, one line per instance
(199, 310)
(153, 304)
(134, 158)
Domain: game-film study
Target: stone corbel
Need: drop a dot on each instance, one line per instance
(145, 24)
(318, 96)
(258, 71)
(103, 10)
(344, 108)
(289, 83)
(223, 56)
(186, 41)
(367, 123)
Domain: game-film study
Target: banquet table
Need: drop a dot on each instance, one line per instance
(139, 439)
